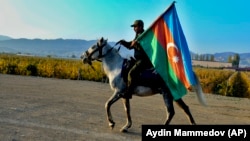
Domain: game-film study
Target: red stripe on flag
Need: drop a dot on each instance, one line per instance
(165, 39)
(162, 33)
(175, 59)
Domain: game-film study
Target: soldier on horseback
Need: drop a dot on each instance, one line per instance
(142, 61)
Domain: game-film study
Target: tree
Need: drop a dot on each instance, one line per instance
(230, 59)
(206, 57)
(236, 60)
(196, 56)
(212, 57)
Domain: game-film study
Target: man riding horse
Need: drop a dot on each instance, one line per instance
(115, 67)
(142, 61)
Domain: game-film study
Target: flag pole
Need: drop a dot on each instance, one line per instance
(157, 19)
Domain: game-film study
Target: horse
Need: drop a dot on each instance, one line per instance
(113, 66)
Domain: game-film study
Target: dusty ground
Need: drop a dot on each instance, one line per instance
(42, 109)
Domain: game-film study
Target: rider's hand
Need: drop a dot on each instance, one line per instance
(133, 43)
(121, 42)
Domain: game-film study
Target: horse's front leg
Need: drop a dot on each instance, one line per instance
(108, 104)
(126, 105)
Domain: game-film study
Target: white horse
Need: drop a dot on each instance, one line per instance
(113, 63)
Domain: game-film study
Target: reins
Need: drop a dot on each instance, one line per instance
(99, 49)
(117, 44)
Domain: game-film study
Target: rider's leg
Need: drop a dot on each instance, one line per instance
(134, 74)
(133, 77)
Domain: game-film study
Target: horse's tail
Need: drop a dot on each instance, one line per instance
(199, 92)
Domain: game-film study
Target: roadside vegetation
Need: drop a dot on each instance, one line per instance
(224, 82)
(214, 81)
(49, 67)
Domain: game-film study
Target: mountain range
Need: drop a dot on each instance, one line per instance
(68, 48)
(62, 48)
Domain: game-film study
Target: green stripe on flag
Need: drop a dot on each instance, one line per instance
(157, 55)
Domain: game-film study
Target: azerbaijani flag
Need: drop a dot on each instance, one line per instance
(166, 46)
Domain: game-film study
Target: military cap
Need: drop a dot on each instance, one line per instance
(137, 23)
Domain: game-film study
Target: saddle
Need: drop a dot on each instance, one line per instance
(148, 77)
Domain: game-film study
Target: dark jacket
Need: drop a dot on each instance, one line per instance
(139, 53)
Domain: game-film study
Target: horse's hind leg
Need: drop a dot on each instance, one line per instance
(108, 104)
(168, 99)
(182, 104)
(126, 104)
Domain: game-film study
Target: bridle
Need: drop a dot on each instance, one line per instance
(98, 49)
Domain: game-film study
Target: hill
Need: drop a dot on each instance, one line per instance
(2, 37)
(65, 48)
(68, 48)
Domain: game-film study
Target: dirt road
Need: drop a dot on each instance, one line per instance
(43, 109)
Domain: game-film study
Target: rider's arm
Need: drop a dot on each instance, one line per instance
(126, 44)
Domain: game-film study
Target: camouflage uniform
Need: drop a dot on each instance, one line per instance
(142, 63)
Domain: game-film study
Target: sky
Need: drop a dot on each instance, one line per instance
(210, 26)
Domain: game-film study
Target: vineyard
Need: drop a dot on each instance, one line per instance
(215, 81)
(224, 82)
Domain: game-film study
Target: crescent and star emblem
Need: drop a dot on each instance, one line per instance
(174, 58)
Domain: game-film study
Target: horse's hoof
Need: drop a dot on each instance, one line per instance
(112, 125)
(123, 130)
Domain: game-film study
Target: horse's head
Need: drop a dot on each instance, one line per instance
(95, 52)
